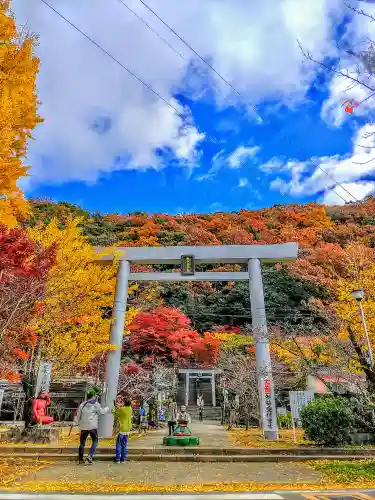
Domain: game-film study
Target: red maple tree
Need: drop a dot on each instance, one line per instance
(23, 273)
(206, 350)
(165, 334)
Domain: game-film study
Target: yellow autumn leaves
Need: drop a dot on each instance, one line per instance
(333, 348)
(361, 274)
(72, 324)
(18, 112)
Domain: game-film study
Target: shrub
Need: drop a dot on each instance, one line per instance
(328, 421)
(285, 421)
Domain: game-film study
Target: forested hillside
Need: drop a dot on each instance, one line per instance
(334, 243)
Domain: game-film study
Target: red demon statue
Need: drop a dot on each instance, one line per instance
(39, 409)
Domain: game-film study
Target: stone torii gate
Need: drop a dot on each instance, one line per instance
(252, 255)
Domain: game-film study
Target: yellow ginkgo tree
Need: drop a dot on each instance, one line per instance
(338, 350)
(361, 275)
(73, 323)
(18, 112)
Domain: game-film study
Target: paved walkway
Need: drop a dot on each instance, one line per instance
(174, 473)
(211, 433)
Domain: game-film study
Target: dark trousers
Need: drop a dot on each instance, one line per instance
(82, 442)
(171, 426)
(121, 447)
(200, 414)
(27, 413)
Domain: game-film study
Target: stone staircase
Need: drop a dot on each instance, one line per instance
(209, 413)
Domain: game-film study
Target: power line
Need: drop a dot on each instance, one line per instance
(216, 88)
(122, 2)
(150, 88)
(112, 57)
(134, 75)
(250, 103)
(249, 316)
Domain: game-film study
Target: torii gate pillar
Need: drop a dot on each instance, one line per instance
(262, 352)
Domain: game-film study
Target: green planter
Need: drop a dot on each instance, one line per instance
(181, 441)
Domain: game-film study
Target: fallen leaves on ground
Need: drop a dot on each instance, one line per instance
(348, 472)
(336, 475)
(253, 438)
(105, 486)
(12, 470)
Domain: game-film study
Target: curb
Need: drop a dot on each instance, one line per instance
(104, 450)
(192, 458)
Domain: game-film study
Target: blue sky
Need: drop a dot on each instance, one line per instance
(110, 145)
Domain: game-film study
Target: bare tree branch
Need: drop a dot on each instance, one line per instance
(360, 12)
(363, 162)
(339, 72)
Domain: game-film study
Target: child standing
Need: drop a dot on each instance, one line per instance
(124, 414)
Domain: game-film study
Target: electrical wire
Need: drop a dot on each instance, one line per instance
(134, 75)
(250, 103)
(195, 69)
(112, 57)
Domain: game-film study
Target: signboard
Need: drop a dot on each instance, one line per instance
(67, 395)
(44, 378)
(267, 404)
(298, 400)
(187, 265)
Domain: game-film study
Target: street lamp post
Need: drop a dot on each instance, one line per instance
(358, 295)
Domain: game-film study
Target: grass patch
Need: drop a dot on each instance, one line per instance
(253, 438)
(347, 472)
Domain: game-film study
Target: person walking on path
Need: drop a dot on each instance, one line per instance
(200, 404)
(88, 420)
(124, 415)
(27, 387)
(172, 415)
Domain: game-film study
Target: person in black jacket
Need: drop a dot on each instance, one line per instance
(28, 389)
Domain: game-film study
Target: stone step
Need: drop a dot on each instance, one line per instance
(209, 412)
(192, 457)
(199, 450)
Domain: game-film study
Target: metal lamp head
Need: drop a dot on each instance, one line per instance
(358, 294)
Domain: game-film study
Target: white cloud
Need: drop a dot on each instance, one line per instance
(342, 88)
(243, 182)
(343, 92)
(252, 44)
(273, 165)
(240, 155)
(324, 174)
(237, 159)
(358, 189)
